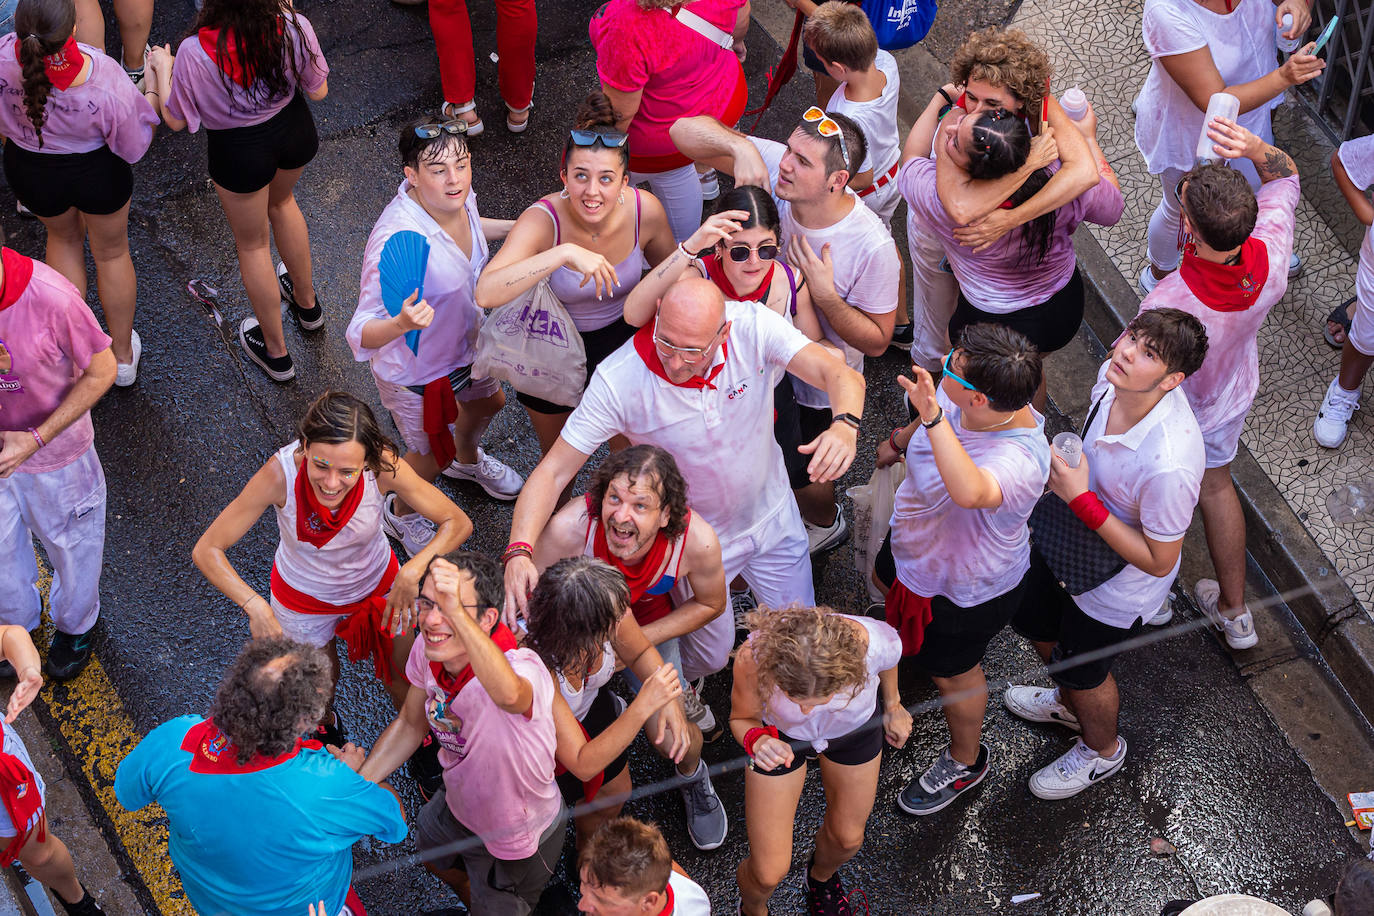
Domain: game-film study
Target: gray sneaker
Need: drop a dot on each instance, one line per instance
(706, 821)
(699, 714)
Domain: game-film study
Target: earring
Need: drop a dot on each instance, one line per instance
(622, 198)
(563, 193)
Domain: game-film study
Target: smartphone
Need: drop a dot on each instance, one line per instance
(1326, 35)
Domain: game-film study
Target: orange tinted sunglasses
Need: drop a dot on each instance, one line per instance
(827, 127)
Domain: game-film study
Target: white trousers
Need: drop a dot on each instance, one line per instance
(65, 510)
(934, 295)
(679, 190)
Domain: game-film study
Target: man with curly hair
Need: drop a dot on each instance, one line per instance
(308, 804)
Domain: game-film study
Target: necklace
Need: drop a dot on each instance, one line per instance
(982, 429)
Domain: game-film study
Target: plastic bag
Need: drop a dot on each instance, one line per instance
(899, 23)
(873, 504)
(533, 344)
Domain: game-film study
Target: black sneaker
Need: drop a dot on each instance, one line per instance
(278, 368)
(940, 785)
(311, 319)
(67, 655)
(828, 899)
(86, 906)
(335, 734)
(902, 336)
(425, 768)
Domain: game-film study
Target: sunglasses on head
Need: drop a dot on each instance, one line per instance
(827, 127)
(740, 253)
(430, 131)
(611, 139)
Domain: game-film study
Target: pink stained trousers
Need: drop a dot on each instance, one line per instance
(516, 27)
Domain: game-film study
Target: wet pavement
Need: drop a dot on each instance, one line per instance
(1208, 770)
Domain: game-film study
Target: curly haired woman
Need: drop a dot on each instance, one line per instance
(812, 675)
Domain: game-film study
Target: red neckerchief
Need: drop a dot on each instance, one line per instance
(643, 574)
(213, 752)
(453, 684)
(18, 271)
(19, 795)
(63, 66)
(316, 525)
(229, 61)
(668, 907)
(644, 345)
(716, 271)
(1227, 287)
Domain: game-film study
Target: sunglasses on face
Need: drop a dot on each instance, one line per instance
(611, 139)
(827, 127)
(949, 373)
(740, 253)
(430, 131)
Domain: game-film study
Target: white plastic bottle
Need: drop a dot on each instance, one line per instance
(1350, 504)
(1286, 45)
(1220, 105)
(1074, 103)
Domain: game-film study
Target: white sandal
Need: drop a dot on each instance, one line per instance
(520, 126)
(450, 111)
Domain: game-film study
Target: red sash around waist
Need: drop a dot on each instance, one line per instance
(361, 630)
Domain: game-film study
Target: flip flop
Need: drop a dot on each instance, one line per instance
(1339, 315)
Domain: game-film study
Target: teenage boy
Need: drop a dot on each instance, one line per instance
(847, 255)
(627, 870)
(977, 462)
(1136, 485)
(1234, 270)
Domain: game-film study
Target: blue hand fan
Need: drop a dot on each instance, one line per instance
(402, 269)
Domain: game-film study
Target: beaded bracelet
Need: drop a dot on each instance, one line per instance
(516, 549)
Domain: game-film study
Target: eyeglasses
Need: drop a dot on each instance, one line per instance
(740, 253)
(424, 605)
(827, 127)
(689, 355)
(453, 128)
(611, 139)
(949, 373)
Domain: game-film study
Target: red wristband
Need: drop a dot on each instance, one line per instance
(752, 736)
(1090, 510)
(892, 440)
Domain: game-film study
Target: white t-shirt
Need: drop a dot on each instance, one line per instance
(843, 714)
(15, 745)
(450, 289)
(982, 553)
(688, 897)
(866, 264)
(1358, 158)
(1167, 123)
(721, 434)
(878, 120)
(1149, 478)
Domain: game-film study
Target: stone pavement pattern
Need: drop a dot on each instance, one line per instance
(1098, 46)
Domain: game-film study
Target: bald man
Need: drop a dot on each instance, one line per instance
(698, 382)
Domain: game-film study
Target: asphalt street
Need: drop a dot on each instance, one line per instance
(1208, 770)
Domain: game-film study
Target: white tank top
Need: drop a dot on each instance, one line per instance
(581, 700)
(352, 563)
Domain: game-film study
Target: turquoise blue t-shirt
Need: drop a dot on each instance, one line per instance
(256, 842)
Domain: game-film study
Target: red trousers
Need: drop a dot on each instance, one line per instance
(516, 27)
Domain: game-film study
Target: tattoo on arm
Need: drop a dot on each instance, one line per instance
(522, 278)
(1276, 164)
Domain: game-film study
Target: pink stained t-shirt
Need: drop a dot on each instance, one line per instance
(679, 71)
(200, 97)
(996, 280)
(47, 338)
(105, 110)
(498, 767)
(1222, 391)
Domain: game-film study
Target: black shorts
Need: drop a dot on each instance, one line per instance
(599, 344)
(1049, 614)
(246, 159)
(1049, 325)
(599, 717)
(858, 747)
(50, 184)
(787, 432)
(813, 421)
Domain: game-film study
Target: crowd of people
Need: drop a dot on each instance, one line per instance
(724, 368)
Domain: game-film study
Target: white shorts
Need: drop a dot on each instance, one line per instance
(312, 629)
(15, 746)
(883, 202)
(1222, 443)
(1362, 326)
(407, 408)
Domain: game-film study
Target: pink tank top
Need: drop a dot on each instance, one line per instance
(588, 312)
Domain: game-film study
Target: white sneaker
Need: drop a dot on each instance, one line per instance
(1039, 704)
(828, 538)
(710, 184)
(1148, 280)
(1334, 415)
(127, 373)
(1164, 614)
(500, 480)
(1078, 768)
(1294, 265)
(414, 531)
(1240, 631)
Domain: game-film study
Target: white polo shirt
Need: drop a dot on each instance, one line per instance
(1149, 478)
(450, 289)
(866, 264)
(721, 433)
(688, 897)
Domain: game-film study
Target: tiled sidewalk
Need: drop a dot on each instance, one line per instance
(1098, 46)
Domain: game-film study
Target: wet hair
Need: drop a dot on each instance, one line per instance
(265, 50)
(413, 147)
(1178, 338)
(1000, 144)
(806, 652)
(840, 33)
(854, 139)
(1355, 892)
(1220, 206)
(1006, 58)
(488, 579)
(336, 417)
(1001, 362)
(574, 610)
(757, 202)
(595, 113)
(42, 28)
(273, 694)
(628, 855)
(640, 461)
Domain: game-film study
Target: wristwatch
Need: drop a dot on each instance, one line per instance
(939, 418)
(847, 418)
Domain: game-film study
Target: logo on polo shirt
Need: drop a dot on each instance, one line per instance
(737, 391)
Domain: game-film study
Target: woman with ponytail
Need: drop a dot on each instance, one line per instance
(73, 131)
(244, 74)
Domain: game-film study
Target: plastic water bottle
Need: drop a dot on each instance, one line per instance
(1286, 45)
(1220, 105)
(1074, 103)
(1351, 504)
(1069, 447)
